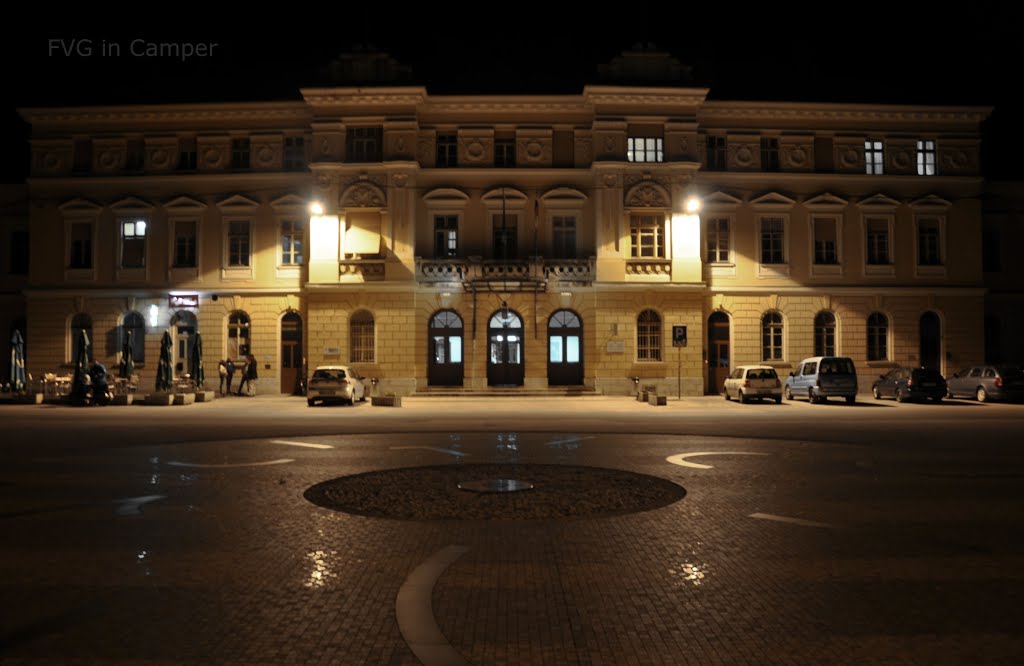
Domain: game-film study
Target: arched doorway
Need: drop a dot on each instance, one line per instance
(718, 351)
(931, 341)
(183, 332)
(444, 357)
(505, 349)
(565, 356)
(291, 352)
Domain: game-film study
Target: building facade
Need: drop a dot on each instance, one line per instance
(519, 241)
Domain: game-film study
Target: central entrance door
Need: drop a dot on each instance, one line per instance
(718, 351)
(183, 328)
(291, 352)
(505, 349)
(444, 358)
(931, 341)
(565, 362)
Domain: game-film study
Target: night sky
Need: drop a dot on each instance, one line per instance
(863, 52)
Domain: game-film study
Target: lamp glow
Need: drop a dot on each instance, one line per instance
(153, 314)
(693, 205)
(316, 208)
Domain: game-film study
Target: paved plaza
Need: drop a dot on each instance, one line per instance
(877, 533)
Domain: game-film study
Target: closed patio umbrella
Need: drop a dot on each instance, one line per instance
(127, 355)
(78, 386)
(164, 374)
(17, 362)
(195, 362)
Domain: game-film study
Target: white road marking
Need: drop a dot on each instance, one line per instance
(681, 458)
(280, 461)
(571, 440)
(457, 454)
(792, 521)
(415, 612)
(132, 506)
(305, 444)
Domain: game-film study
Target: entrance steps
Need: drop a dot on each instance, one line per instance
(504, 392)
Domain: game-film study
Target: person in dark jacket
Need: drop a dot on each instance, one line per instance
(249, 376)
(229, 365)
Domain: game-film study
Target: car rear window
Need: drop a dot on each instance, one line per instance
(330, 375)
(1010, 372)
(762, 373)
(836, 366)
(927, 374)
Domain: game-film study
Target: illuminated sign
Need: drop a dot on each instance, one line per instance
(184, 301)
(678, 336)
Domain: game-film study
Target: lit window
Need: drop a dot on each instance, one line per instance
(648, 336)
(446, 236)
(647, 235)
(825, 334)
(238, 244)
(292, 243)
(873, 157)
(925, 158)
(640, 149)
(771, 337)
(825, 241)
(929, 243)
(361, 338)
(878, 337)
(773, 240)
(718, 240)
(133, 243)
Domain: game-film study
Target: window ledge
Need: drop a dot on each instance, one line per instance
(132, 274)
(236, 273)
(288, 271)
(826, 269)
(79, 273)
(879, 269)
(722, 268)
(882, 364)
(931, 271)
(777, 364)
(772, 270)
(181, 273)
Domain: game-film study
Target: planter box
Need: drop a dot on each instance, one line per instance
(184, 398)
(641, 396)
(160, 399)
(657, 400)
(386, 401)
(205, 396)
(125, 399)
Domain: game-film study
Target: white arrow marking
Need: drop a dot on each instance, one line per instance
(457, 454)
(305, 444)
(680, 459)
(132, 506)
(792, 521)
(415, 613)
(255, 464)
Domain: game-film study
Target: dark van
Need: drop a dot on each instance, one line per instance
(823, 377)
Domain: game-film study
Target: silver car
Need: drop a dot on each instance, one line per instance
(335, 383)
(987, 382)
(753, 381)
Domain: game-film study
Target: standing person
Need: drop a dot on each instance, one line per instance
(222, 369)
(250, 374)
(244, 379)
(229, 365)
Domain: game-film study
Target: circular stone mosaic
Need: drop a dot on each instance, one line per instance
(432, 493)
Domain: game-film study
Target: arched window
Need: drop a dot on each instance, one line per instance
(825, 334)
(361, 337)
(771, 337)
(878, 337)
(134, 324)
(79, 323)
(648, 336)
(238, 335)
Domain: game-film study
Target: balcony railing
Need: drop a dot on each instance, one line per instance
(361, 270)
(649, 267)
(476, 269)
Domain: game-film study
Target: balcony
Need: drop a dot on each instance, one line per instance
(361, 270)
(476, 270)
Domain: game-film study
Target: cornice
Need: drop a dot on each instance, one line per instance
(155, 291)
(248, 111)
(397, 96)
(865, 290)
(844, 112)
(236, 180)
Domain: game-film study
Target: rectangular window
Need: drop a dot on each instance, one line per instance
(874, 157)
(238, 244)
(447, 150)
(80, 245)
(991, 261)
(82, 158)
(877, 241)
(769, 154)
(294, 153)
(135, 159)
(365, 144)
(185, 244)
(505, 153)
(446, 236)
(292, 243)
(825, 241)
(772, 240)
(187, 154)
(925, 158)
(716, 153)
(506, 236)
(718, 240)
(647, 235)
(240, 150)
(644, 149)
(563, 236)
(133, 243)
(19, 253)
(929, 249)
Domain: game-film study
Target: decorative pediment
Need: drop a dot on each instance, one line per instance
(184, 205)
(447, 197)
(504, 196)
(131, 205)
(237, 203)
(289, 203)
(773, 201)
(79, 206)
(826, 201)
(363, 195)
(930, 202)
(878, 202)
(721, 200)
(648, 195)
(563, 196)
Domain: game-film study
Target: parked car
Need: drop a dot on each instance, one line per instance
(335, 383)
(753, 381)
(822, 377)
(987, 382)
(910, 384)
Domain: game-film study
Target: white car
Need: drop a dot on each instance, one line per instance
(753, 381)
(331, 383)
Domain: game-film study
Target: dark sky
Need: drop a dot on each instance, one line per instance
(862, 52)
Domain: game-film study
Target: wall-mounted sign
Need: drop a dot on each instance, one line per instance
(183, 301)
(332, 351)
(678, 336)
(616, 346)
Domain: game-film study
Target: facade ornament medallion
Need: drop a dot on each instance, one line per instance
(160, 157)
(901, 159)
(798, 156)
(849, 158)
(399, 179)
(648, 195)
(363, 196)
(744, 156)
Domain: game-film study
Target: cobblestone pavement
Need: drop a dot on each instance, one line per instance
(189, 546)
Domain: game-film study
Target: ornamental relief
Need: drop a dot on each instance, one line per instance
(475, 150)
(902, 159)
(110, 159)
(742, 155)
(160, 157)
(583, 147)
(363, 196)
(849, 158)
(424, 151)
(534, 151)
(796, 157)
(647, 195)
(50, 160)
(214, 157)
(957, 159)
(265, 155)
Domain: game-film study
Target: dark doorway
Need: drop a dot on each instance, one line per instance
(183, 328)
(931, 341)
(565, 349)
(505, 349)
(993, 339)
(444, 358)
(718, 351)
(291, 353)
